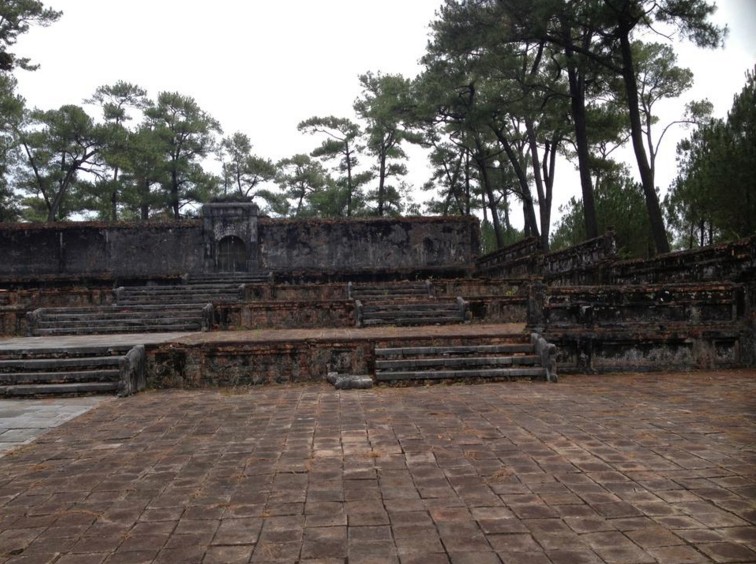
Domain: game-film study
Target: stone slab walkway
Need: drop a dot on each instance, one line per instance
(617, 469)
(23, 421)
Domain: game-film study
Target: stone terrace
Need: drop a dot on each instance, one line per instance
(619, 469)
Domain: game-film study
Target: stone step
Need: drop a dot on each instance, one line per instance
(72, 370)
(116, 329)
(411, 312)
(534, 372)
(514, 358)
(456, 362)
(147, 308)
(59, 364)
(389, 290)
(179, 291)
(126, 316)
(57, 354)
(411, 307)
(229, 277)
(152, 299)
(59, 389)
(416, 320)
(507, 348)
(379, 295)
(55, 377)
(184, 294)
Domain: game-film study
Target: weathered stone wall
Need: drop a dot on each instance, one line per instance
(520, 259)
(586, 263)
(286, 314)
(381, 244)
(495, 309)
(647, 327)
(96, 249)
(734, 261)
(139, 250)
(246, 363)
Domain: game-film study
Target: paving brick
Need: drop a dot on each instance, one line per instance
(373, 552)
(678, 554)
(514, 543)
(514, 471)
(324, 542)
(237, 554)
(727, 552)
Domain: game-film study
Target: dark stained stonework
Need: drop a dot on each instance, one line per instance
(679, 311)
(683, 310)
(164, 249)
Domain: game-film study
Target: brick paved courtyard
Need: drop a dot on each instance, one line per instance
(619, 469)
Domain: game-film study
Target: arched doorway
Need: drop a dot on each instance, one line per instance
(232, 254)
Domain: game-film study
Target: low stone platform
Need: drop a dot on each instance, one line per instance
(74, 341)
(617, 469)
(264, 356)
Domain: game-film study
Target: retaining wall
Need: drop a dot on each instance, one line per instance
(160, 249)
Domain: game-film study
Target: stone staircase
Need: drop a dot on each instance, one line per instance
(518, 357)
(131, 318)
(407, 303)
(147, 309)
(377, 292)
(411, 312)
(180, 294)
(74, 370)
(237, 278)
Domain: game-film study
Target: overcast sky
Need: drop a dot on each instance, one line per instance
(260, 67)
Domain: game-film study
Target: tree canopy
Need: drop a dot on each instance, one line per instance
(509, 91)
(713, 198)
(16, 17)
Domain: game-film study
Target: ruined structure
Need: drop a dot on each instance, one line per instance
(233, 238)
(230, 299)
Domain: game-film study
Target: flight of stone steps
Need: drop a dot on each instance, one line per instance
(519, 357)
(406, 303)
(128, 318)
(183, 307)
(72, 370)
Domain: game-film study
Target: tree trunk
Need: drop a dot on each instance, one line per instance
(531, 224)
(544, 195)
(658, 232)
(577, 105)
(114, 197)
(481, 162)
(350, 188)
(576, 83)
(381, 183)
(174, 194)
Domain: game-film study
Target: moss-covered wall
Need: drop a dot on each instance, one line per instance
(159, 249)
